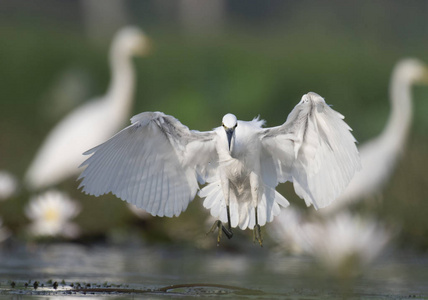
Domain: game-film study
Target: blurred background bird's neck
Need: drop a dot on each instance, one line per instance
(399, 121)
(121, 90)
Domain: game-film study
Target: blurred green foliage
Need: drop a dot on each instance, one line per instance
(249, 71)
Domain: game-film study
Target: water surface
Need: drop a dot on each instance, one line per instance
(131, 271)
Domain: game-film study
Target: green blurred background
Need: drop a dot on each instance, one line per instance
(246, 57)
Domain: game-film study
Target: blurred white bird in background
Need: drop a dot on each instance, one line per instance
(380, 155)
(70, 88)
(60, 154)
(157, 162)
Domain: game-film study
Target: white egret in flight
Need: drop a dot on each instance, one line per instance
(92, 123)
(380, 155)
(157, 162)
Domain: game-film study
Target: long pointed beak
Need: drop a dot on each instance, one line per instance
(145, 47)
(229, 133)
(424, 79)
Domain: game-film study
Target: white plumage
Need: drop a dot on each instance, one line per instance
(380, 155)
(156, 163)
(92, 123)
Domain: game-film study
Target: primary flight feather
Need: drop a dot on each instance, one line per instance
(157, 164)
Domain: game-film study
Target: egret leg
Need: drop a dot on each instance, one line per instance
(217, 225)
(228, 231)
(255, 194)
(257, 233)
(221, 228)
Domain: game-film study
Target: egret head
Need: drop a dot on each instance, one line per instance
(131, 41)
(229, 123)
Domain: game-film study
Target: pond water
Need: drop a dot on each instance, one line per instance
(140, 271)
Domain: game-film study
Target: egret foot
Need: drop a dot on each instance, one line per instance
(257, 235)
(221, 228)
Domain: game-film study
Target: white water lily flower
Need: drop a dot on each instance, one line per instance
(286, 227)
(345, 244)
(8, 185)
(51, 213)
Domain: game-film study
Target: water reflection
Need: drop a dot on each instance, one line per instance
(152, 267)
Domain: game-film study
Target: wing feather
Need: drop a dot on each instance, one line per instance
(155, 164)
(315, 150)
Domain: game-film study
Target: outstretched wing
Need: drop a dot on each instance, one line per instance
(155, 163)
(315, 150)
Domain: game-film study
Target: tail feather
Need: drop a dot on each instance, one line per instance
(242, 212)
